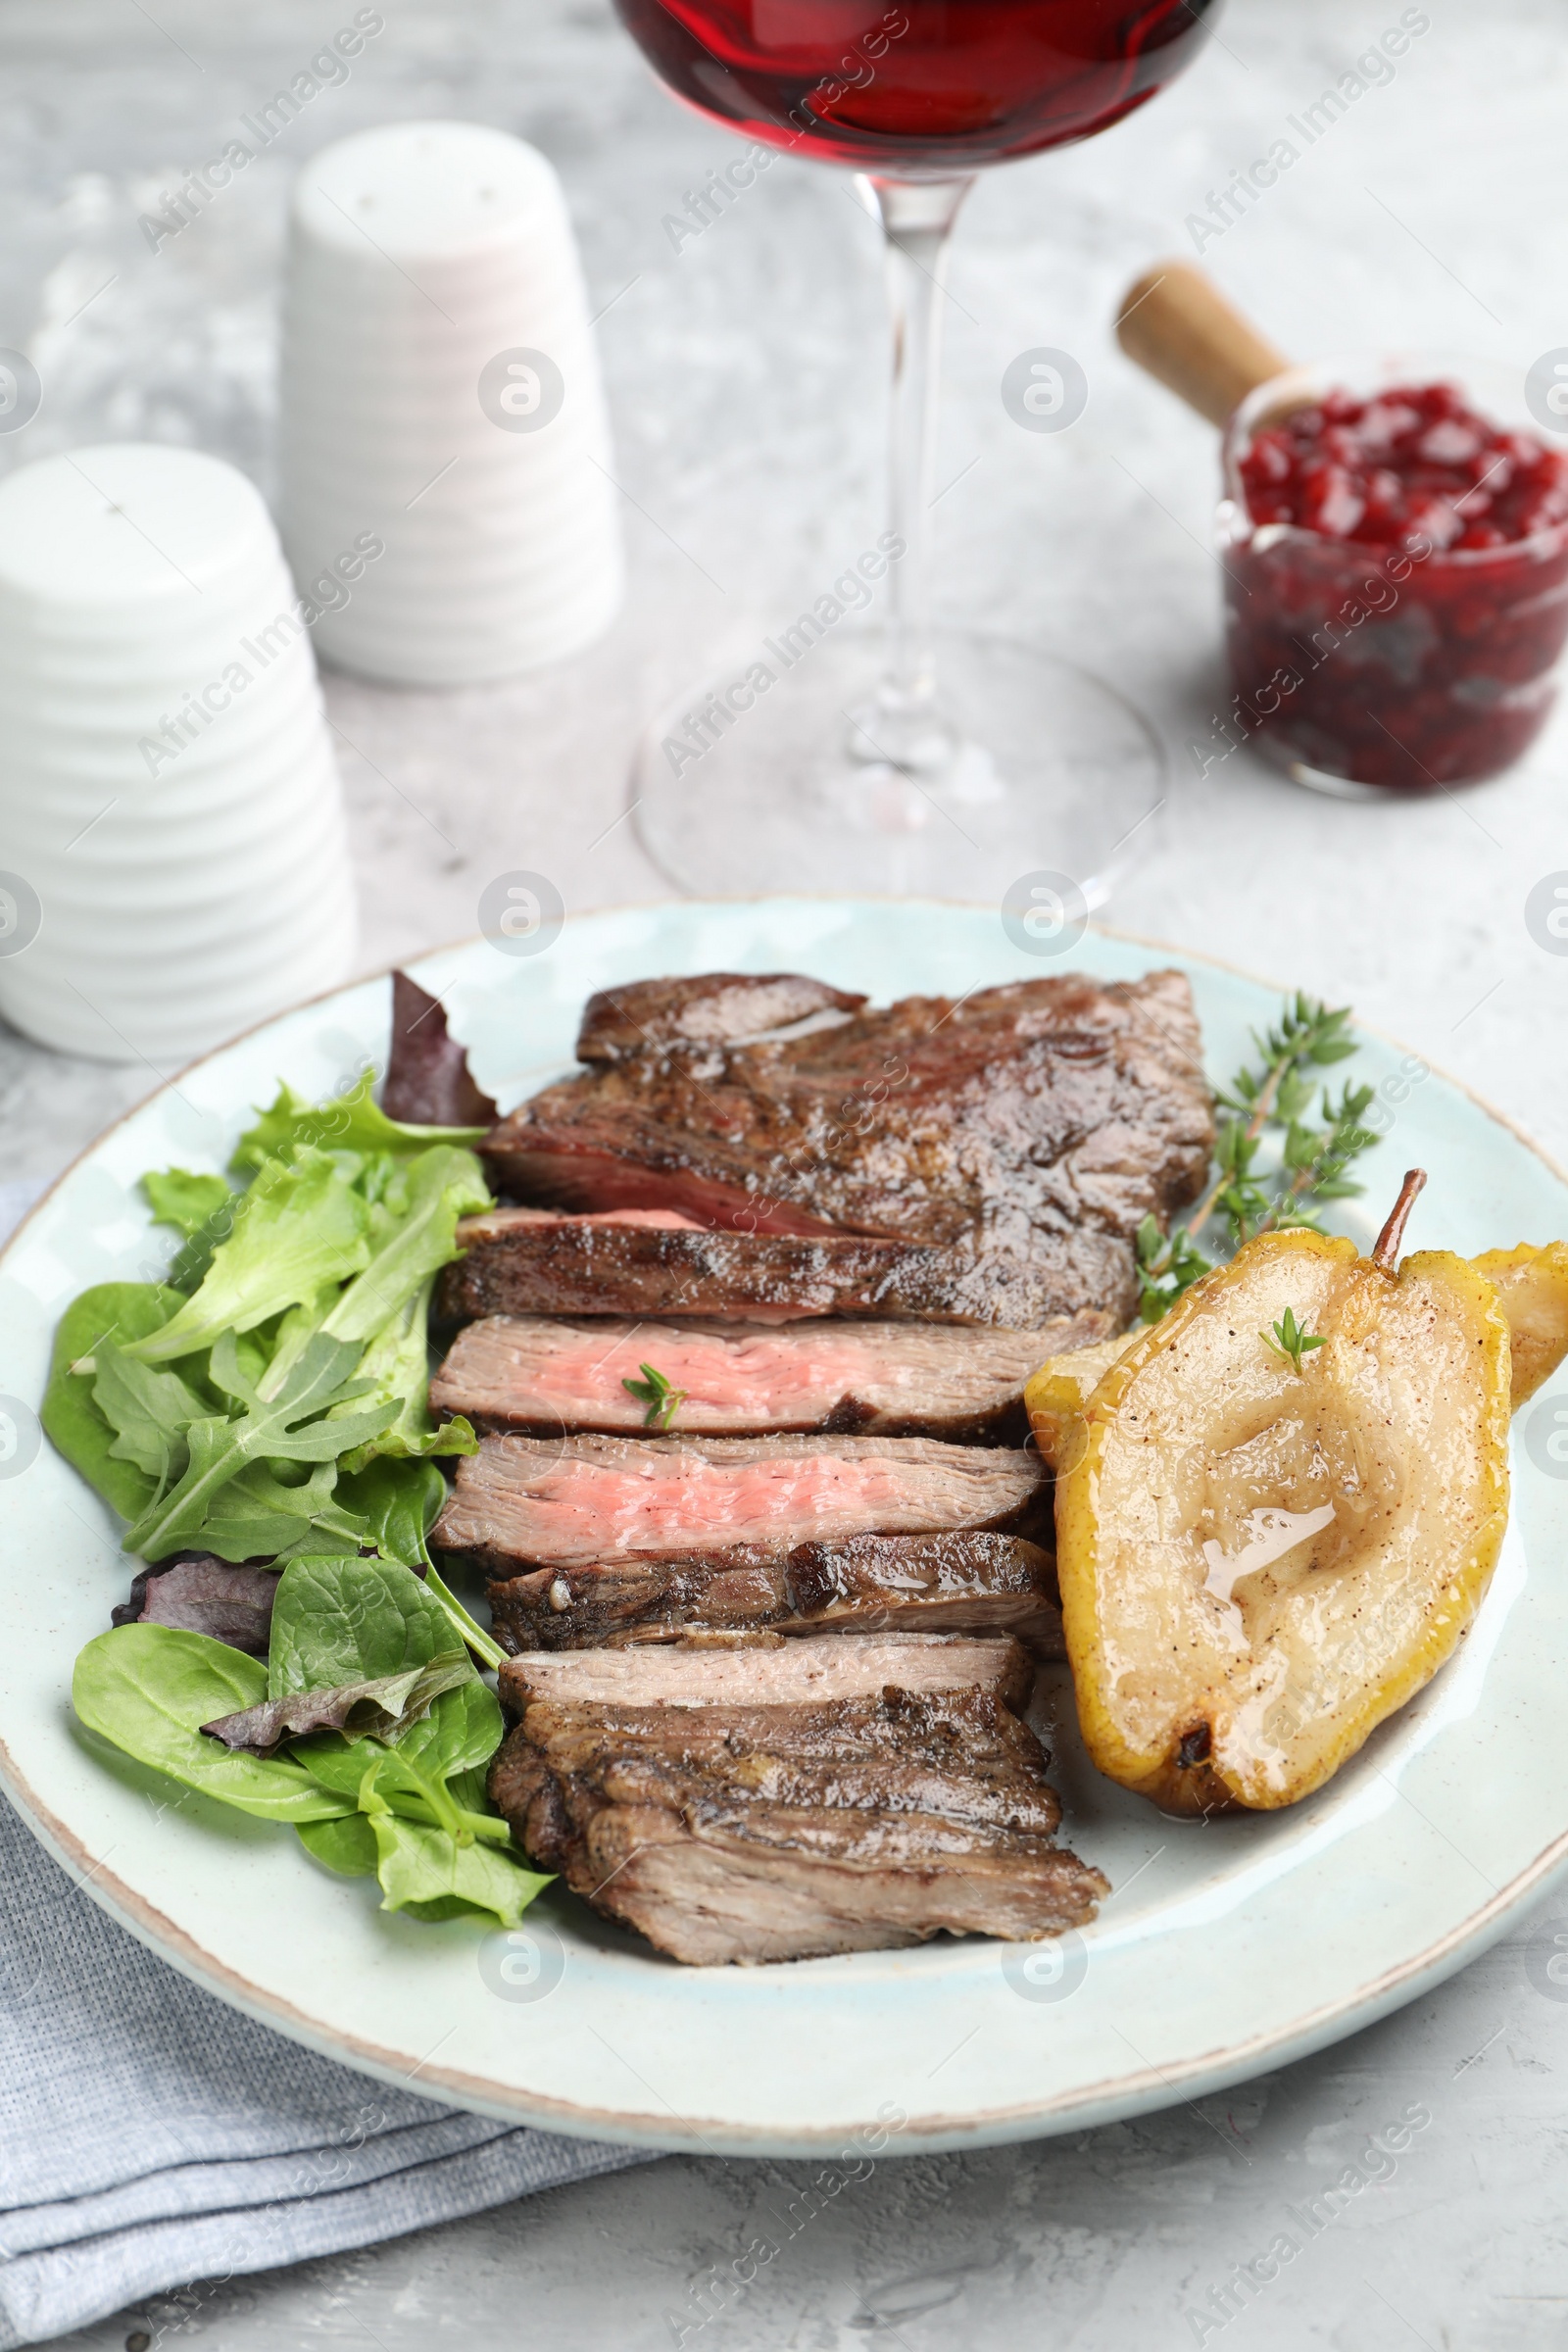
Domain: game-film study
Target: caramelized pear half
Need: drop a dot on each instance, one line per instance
(1055, 1395)
(1531, 1287)
(1263, 1558)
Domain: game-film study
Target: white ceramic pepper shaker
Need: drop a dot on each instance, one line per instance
(441, 392)
(173, 859)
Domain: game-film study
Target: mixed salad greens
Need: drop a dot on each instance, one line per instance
(267, 1403)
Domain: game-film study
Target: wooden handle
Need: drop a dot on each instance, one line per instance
(1178, 325)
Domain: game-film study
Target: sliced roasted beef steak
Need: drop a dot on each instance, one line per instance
(846, 1666)
(566, 1503)
(545, 1374)
(992, 1125)
(750, 1826)
(661, 1263)
(974, 1583)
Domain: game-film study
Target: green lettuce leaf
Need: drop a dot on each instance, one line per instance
(354, 1121)
(185, 1201)
(149, 1688)
(456, 1742)
(419, 1864)
(396, 1363)
(298, 1229)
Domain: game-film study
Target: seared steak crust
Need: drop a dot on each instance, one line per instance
(754, 1833)
(647, 1015)
(524, 1262)
(992, 1124)
(548, 1373)
(873, 1584)
(570, 1502)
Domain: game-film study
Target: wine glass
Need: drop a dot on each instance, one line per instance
(934, 762)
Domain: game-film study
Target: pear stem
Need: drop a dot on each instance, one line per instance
(1386, 1249)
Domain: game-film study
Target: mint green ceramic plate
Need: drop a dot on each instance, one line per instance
(1225, 1949)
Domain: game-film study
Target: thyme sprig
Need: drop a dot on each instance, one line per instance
(1276, 1096)
(658, 1396)
(1288, 1340)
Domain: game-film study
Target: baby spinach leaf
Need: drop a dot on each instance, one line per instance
(459, 1735)
(285, 1429)
(149, 1688)
(77, 1426)
(400, 1502)
(385, 1708)
(456, 1740)
(353, 1121)
(347, 1847)
(300, 1226)
(338, 1620)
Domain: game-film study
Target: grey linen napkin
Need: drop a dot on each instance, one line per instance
(150, 2136)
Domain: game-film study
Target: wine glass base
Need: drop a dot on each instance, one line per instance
(744, 787)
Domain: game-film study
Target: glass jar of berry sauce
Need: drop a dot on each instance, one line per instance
(1396, 553)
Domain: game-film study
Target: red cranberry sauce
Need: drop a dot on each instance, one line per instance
(1415, 462)
(1402, 627)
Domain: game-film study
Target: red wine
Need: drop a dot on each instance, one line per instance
(918, 87)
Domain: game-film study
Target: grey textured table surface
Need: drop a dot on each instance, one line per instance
(744, 374)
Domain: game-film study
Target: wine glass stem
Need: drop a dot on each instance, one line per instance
(917, 218)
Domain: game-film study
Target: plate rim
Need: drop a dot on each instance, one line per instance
(1084, 2106)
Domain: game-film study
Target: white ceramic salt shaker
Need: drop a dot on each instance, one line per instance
(441, 395)
(172, 839)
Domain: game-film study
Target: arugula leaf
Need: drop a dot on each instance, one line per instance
(354, 1121)
(283, 1429)
(339, 1620)
(149, 1411)
(256, 1517)
(77, 1426)
(149, 1688)
(383, 1709)
(299, 1227)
